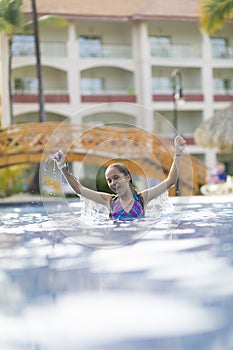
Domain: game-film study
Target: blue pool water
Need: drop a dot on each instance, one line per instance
(71, 282)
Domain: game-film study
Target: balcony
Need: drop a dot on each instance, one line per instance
(50, 96)
(105, 51)
(190, 95)
(223, 95)
(175, 51)
(48, 49)
(220, 52)
(104, 96)
(190, 141)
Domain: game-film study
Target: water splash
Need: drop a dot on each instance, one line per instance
(95, 211)
(48, 161)
(160, 206)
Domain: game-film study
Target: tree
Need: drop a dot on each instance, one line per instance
(11, 21)
(33, 25)
(38, 63)
(214, 13)
(57, 22)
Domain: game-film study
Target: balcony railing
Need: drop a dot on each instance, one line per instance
(188, 138)
(175, 51)
(129, 91)
(166, 95)
(35, 91)
(105, 51)
(220, 52)
(48, 49)
(102, 96)
(223, 95)
(31, 96)
(223, 91)
(108, 98)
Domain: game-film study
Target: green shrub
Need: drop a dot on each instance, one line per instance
(13, 179)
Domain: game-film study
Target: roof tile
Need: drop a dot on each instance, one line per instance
(119, 8)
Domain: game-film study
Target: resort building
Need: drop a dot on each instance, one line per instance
(123, 62)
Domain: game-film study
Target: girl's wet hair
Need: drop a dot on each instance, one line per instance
(122, 168)
(125, 171)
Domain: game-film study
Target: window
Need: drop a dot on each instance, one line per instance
(90, 46)
(23, 45)
(161, 85)
(26, 85)
(160, 40)
(160, 45)
(219, 47)
(92, 86)
(222, 85)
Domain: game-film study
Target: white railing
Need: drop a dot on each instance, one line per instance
(48, 49)
(223, 91)
(35, 92)
(105, 51)
(222, 52)
(107, 92)
(23, 49)
(173, 51)
(53, 49)
(186, 91)
(192, 91)
(83, 92)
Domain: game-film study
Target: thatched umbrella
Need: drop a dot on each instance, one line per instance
(217, 131)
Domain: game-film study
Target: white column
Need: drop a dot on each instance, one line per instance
(141, 53)
(73, 72)
(207, 77)
(211, 158)
(207, 85)
(74, 81)
(4, 75)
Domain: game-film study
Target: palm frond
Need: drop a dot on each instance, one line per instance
(4, 25)
(55, 21)
(11, 11)
(214, 13)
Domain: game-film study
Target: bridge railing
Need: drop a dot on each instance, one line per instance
(144, 152)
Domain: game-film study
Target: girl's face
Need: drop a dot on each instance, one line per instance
(117, 181)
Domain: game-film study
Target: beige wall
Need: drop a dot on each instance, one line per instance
(63, 69)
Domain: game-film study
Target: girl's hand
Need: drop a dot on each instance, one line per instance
(179, 144)
(59, 158)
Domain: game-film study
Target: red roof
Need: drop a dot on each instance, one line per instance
(120, 9)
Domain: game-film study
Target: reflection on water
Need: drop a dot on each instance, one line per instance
(170, 288)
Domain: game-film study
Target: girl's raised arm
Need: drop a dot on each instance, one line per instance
(172, 177)
(98, 197)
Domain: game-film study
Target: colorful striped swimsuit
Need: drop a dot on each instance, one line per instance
(118, 212)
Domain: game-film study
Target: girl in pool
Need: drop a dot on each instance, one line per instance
(127, 203)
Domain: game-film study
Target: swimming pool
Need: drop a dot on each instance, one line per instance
(156, 283)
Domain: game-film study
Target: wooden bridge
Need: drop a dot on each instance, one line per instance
(144, 152)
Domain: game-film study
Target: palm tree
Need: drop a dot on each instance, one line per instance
(56, 21)
(11, 20)
(214, 13)
(38, 63)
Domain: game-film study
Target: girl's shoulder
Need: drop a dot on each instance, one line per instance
(139, 196)
(113, 200)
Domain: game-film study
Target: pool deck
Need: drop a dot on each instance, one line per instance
(25, 198)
